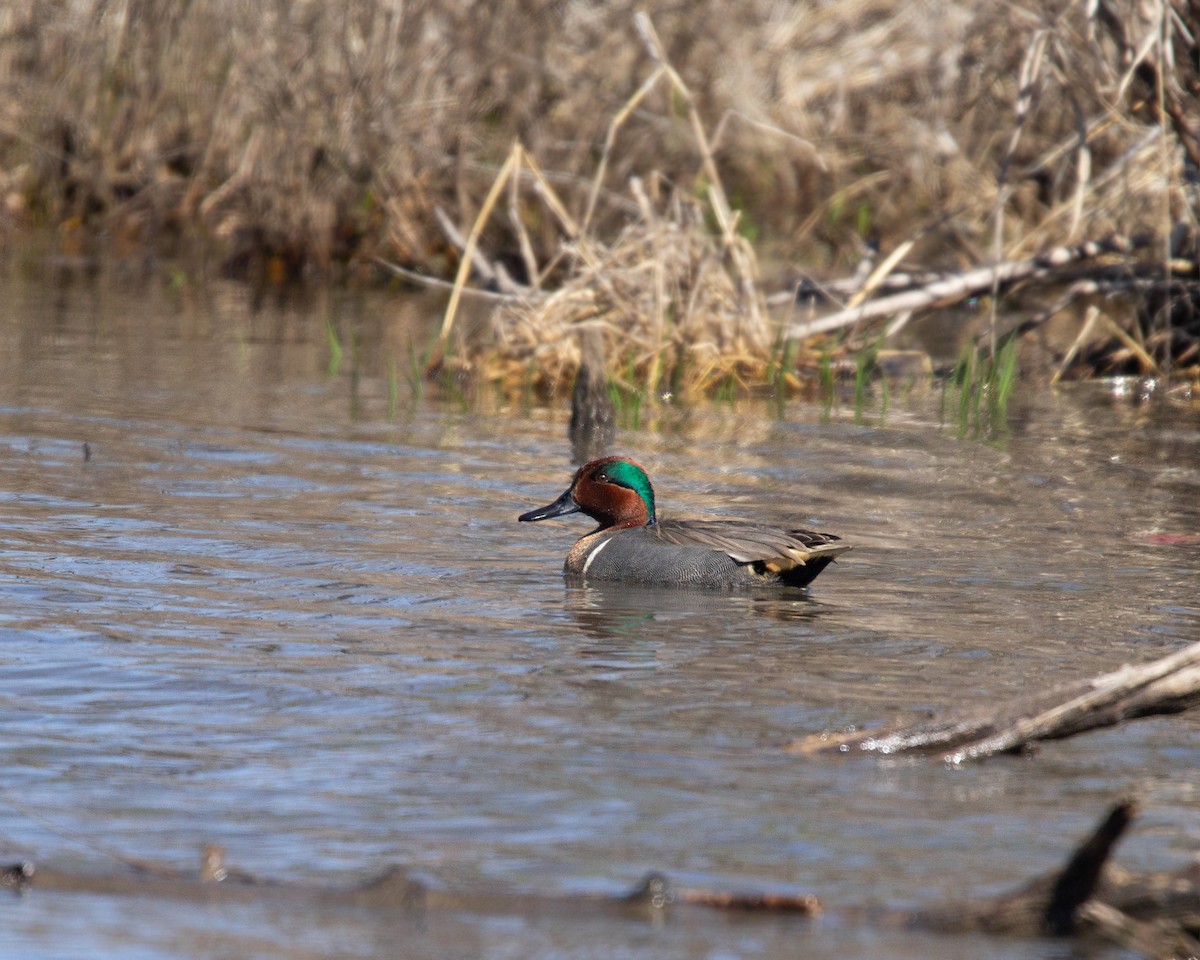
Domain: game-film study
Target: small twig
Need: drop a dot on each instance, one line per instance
(808, 145)
(877, 275)
(1093, 313)
(804, 904)
(437, 283)
(550, 198)
(518, 225)
(610, 139)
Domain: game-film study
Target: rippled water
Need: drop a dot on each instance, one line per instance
(248, 600)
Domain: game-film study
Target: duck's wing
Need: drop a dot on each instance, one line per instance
(746, 542)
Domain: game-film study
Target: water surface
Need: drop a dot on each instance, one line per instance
(250, 600)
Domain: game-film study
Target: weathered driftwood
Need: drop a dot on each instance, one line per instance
(1168, 685)
(946, 289)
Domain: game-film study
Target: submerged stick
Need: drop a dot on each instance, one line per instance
(1155, 914)
(396, 891)
(1170, 684)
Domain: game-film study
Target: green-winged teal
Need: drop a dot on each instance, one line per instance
(632, 544)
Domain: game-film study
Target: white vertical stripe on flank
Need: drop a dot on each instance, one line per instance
(594, 554)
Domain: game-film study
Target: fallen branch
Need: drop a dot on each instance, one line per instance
(1168, 685)
(946, 290)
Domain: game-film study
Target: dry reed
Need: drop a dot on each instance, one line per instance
(307, 139)
(673, 315)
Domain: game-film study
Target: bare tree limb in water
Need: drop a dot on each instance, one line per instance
(1168, 685)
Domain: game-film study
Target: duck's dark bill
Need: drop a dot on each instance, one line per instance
(559, 508)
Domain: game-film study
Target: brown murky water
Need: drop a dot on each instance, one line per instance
(290, 611)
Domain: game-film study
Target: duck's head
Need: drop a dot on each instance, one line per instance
(613, 491)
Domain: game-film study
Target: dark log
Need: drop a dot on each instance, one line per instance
(1046, 906)
(1157, 915)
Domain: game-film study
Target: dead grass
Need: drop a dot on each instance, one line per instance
(670, 308)
(306, 139)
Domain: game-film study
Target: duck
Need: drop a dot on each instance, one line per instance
(632, 544)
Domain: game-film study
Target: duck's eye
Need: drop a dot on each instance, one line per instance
(602, 478)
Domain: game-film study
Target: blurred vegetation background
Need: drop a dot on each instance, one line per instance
(298, 139)
(314, 132)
